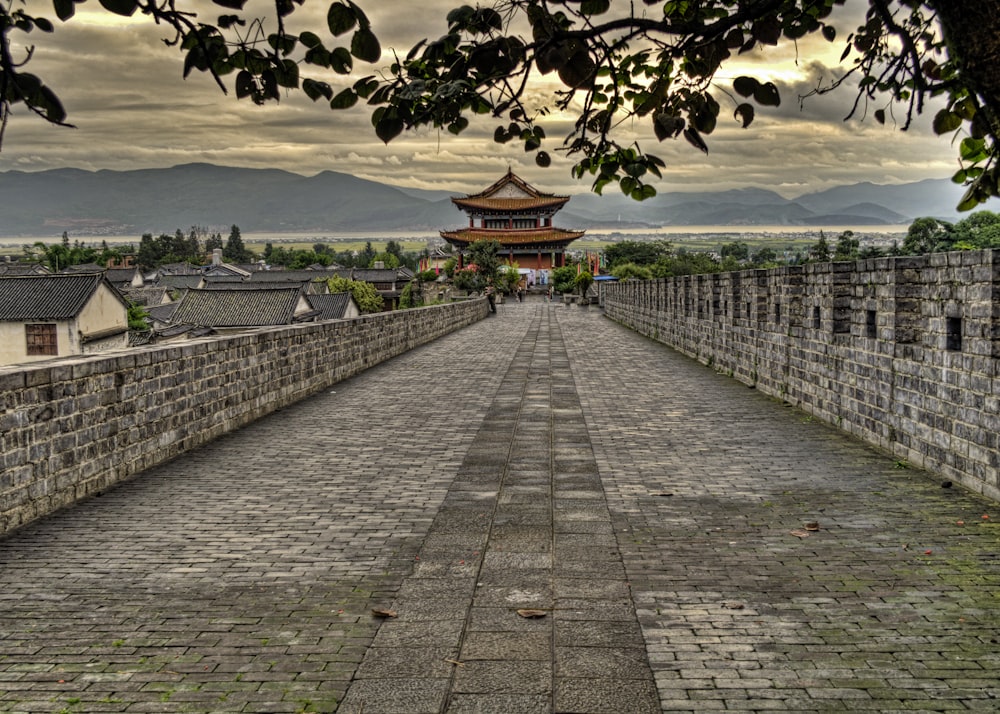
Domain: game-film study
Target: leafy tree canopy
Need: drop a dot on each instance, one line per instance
(637, 252)
(365, 294)
(659, 64)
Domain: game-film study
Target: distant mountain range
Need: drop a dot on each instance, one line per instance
(86, 203)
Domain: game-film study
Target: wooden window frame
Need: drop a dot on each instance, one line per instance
(41, 339)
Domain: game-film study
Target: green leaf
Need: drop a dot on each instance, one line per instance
(830, 33)
(341, 61)
(310, 39)
(880, 116)
(44, 25)
(694, 138)
(594, 7)
(51, 105)
(745, 86)
(970, 200)
(287, 74)
(120, 7)
(973, 150)
(946, 121)
(767, 95)
(578, 72)
(667, 126)
(458, 126)
(315, 89)
(340, 19)
(344, 99)
(231, 4)
(365, 46)
(543, 159)
(501, 136)
(744, 114)
(387, 124)
(244, 84)
(65, 9)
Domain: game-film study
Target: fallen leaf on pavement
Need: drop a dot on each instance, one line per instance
(379, 612)
(532, 613)
(800, 533)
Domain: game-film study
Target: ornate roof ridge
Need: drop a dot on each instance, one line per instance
(511, 178)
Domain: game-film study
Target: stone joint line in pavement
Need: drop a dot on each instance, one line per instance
(524, 530)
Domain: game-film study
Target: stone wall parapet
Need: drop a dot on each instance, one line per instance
(902, 352)
(72, 427)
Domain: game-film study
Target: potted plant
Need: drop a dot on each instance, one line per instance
(582, 282)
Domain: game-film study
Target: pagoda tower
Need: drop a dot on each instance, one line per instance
(519, 217)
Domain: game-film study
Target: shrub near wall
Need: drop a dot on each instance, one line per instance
(902, 352)
(71, 428)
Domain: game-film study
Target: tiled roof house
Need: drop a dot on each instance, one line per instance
(336, 306)
(45, 316)
(233, 310)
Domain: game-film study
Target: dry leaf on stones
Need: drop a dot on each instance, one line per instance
(532, 613)
(379, 612)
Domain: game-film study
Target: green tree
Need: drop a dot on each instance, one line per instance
(563, 278)
(980, 230)
(213, 241)
(820, 253)
(637, 252)
(365, 294)
(624, 271)
(660, 65)
(484, 254)
(584, 279)
(925, 235)
(388, 260)
(765, 257)
(738, 250)
(234, 251)
(847, 247)
(365, 257)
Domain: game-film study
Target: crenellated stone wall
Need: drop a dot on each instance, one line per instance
(902, 352)
(72, 427)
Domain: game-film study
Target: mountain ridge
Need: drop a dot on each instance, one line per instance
(82, 202)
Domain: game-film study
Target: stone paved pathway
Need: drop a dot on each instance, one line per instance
(544, 459)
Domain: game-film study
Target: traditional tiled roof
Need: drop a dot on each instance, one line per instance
(375, 275)
(121, 275)
(331, 307)
(23, 269)
(531, 236)
(181, 282)
(292, 276)
(58, 296)
(148, 297)
(238, 308)
(510, 194)
(510, 205)
(83, 268)
(226, 284)
(178, 269)
(162, 313)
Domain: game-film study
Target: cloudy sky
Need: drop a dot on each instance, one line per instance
(123, 89)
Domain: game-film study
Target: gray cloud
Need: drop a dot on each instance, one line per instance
(124, 90)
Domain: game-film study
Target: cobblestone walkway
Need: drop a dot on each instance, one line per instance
(653, 512)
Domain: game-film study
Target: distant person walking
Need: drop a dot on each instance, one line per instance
(491, 296)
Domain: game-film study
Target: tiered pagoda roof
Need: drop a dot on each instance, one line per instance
(510, 193)
(515, 237)
(515, 198)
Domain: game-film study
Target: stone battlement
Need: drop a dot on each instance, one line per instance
(902, 352)
(72, 427)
